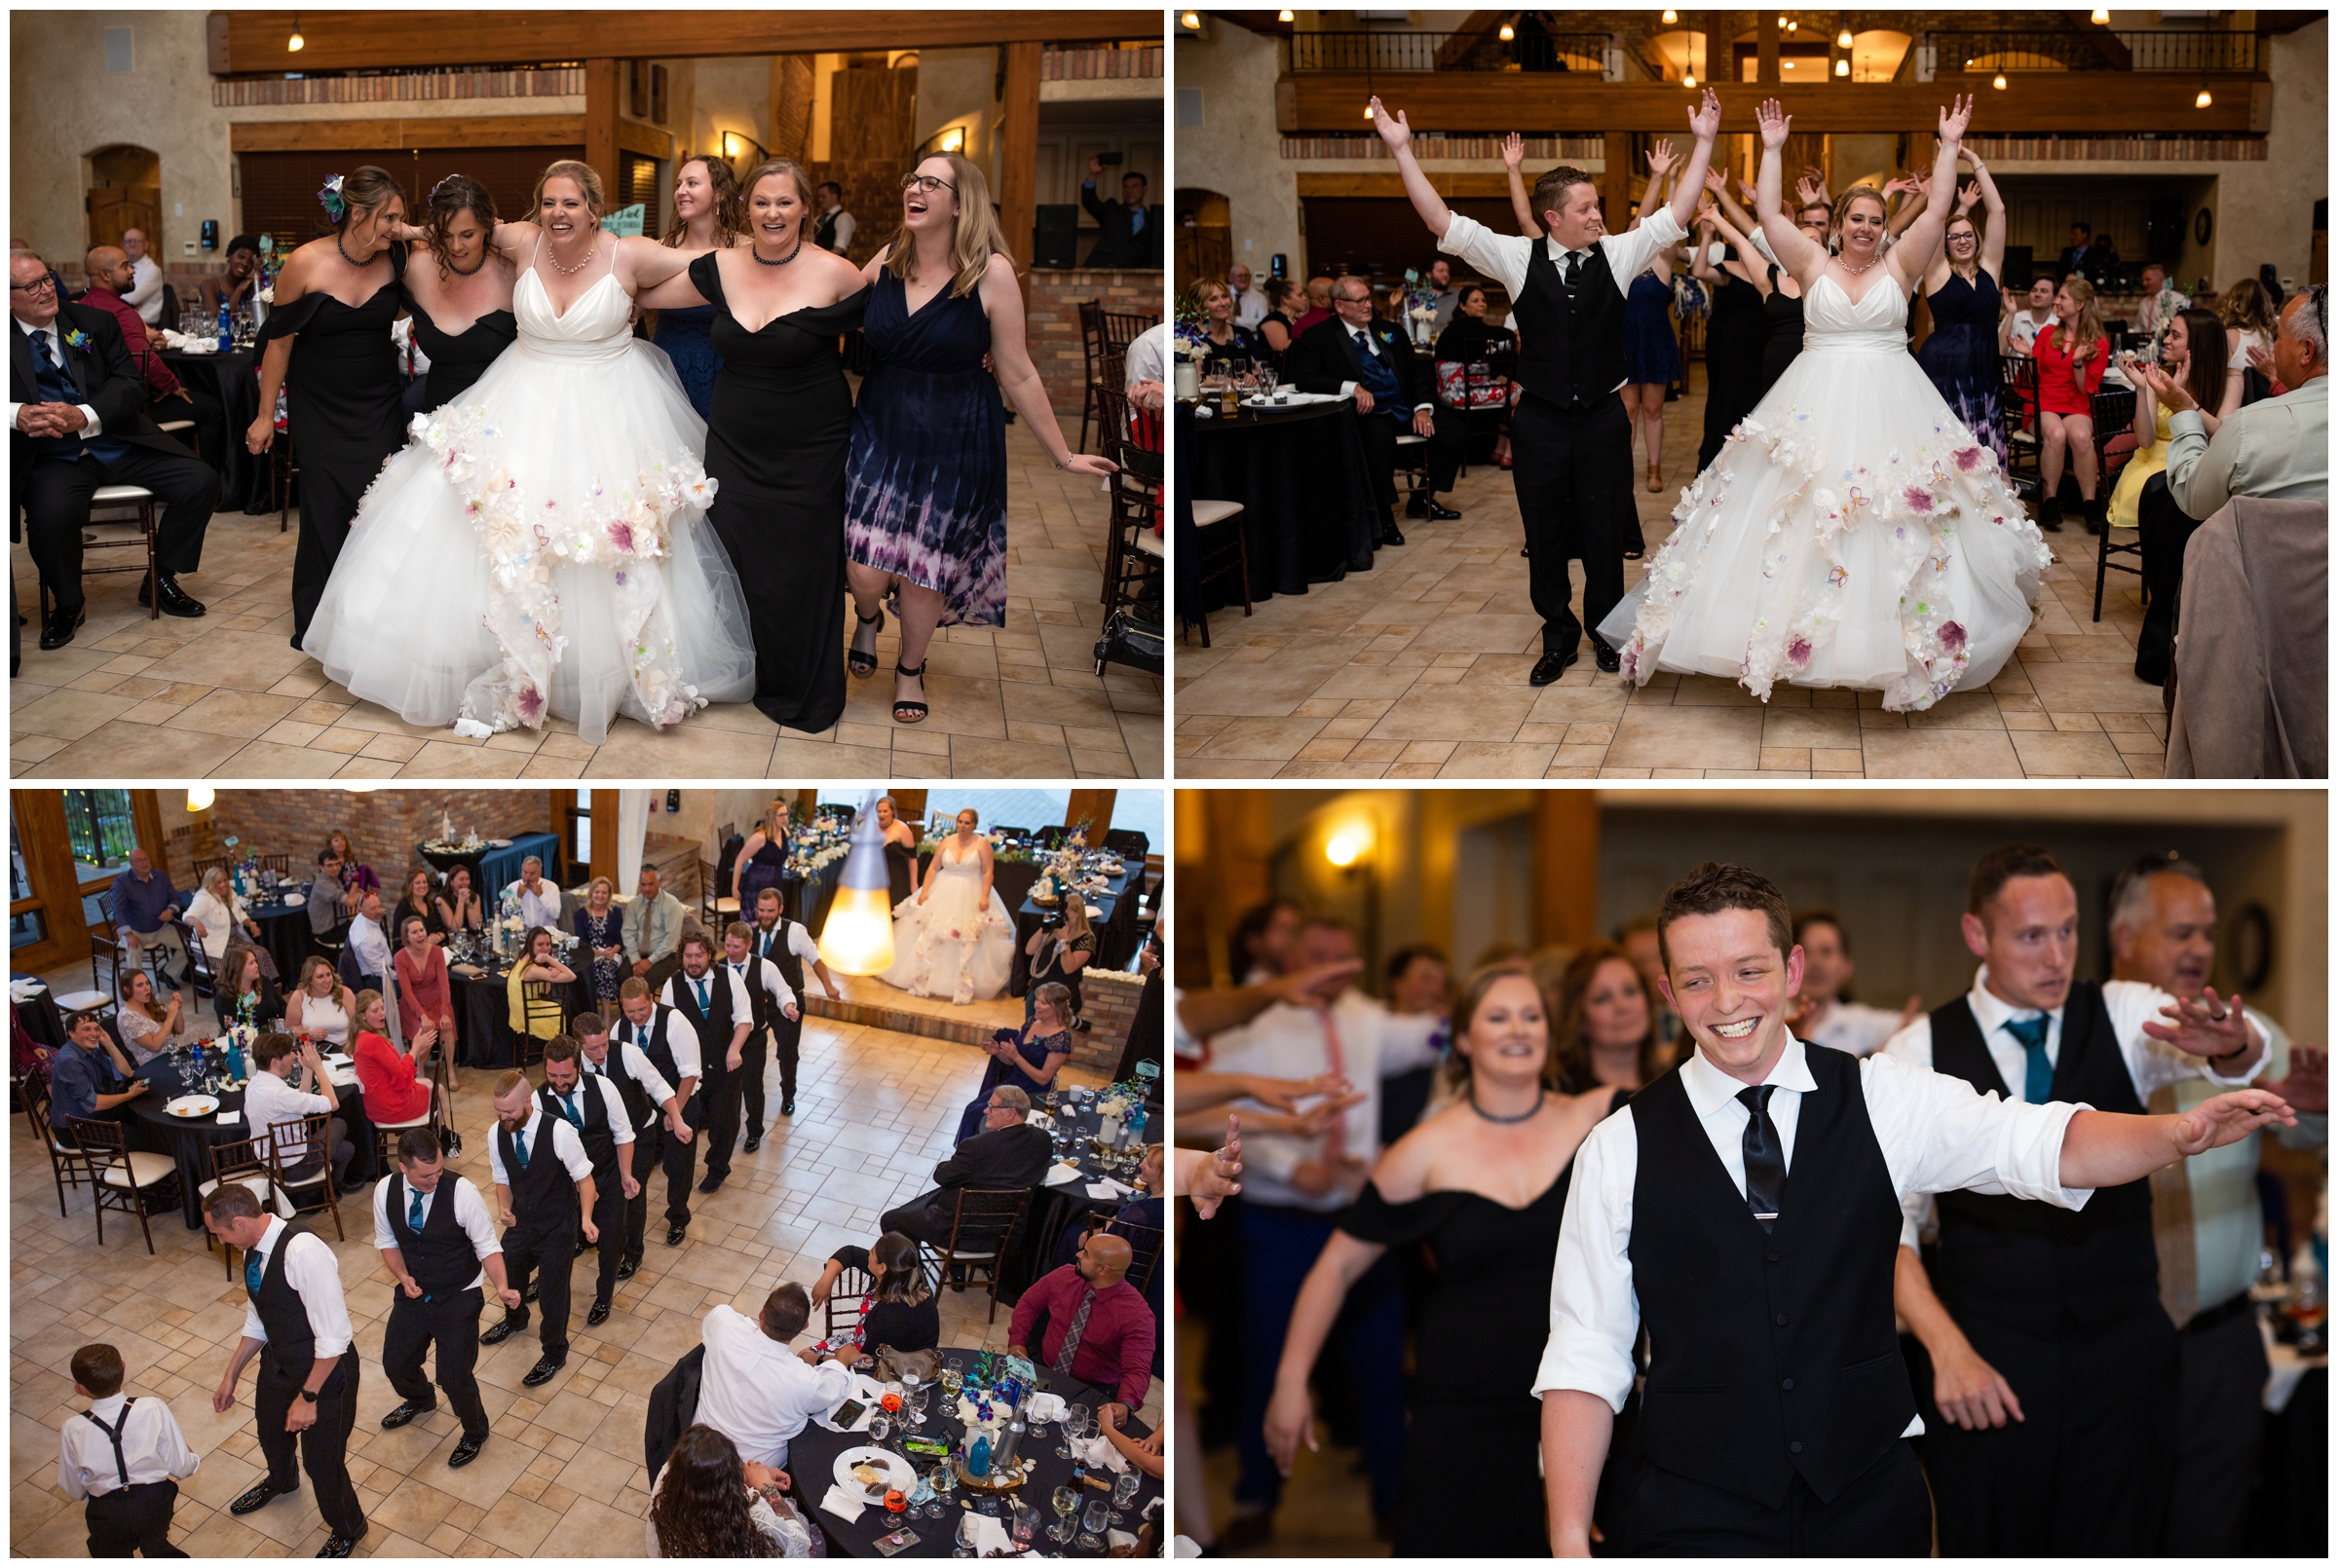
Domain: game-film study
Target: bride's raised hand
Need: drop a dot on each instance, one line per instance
(1774, 123)
(1955, 119)
(1392, 127)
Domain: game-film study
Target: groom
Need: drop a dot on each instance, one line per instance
(1570, 442)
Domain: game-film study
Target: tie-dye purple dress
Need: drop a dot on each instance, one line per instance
(926, 484)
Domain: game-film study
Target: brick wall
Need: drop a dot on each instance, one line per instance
(383, 825)
(1108, 1000)
(1052, 325)
(872, 195)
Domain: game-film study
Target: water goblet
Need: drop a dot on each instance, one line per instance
(878, 1430)
(1074, 1417)
(1092, 1525)
(1124, 1491)
(1023, 1525)
(965, 1537)
(921, 1397)
(1066, 1503)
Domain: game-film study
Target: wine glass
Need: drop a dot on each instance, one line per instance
(921, 1397)
(1124, 1492)
(944, 1482)
(1076, 1416)
(966, 1536)
(896, 1503)
(1092, 1525)
(1066, 1503)
(1023, 1523)
(878, 1428)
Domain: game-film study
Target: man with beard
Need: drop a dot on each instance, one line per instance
(542, 1178)
(706, 999)
(771, 1005)
(670, 1047)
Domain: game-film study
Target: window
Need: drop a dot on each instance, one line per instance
(1013, 809)
(28, 924)
(99, 826)
(1145, 811)
(580, 832)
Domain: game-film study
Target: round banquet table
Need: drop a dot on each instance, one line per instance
(286, 934)
(1057, 1207)
(483, 1017)
(1307, 510)
(245, 481)
(812, 1462)
(38, 1013)
(188, 1141)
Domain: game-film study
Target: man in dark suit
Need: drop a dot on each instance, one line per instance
(1008, 1152)
(2095, 261)
(1358, 352)
(77, 420)
(1132, 230)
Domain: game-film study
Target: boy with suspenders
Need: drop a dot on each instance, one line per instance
(117, 1437)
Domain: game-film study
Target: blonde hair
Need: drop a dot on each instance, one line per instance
(730, 207)
(975, 236)
(776, 166)
(2246, 306)
(587, 180)
(2086, 327)
(772, 814)
(1200, 298)
(1842, 207)
(364, 1003)
(599, 882)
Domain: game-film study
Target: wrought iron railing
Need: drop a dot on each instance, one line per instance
(2191, 51)
(1532, 50)
(2063, 50)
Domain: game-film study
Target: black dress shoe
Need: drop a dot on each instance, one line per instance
(504, 1329)
(754, 1142)
(1550, 667)
(57, 630)
(405, 1413)
(543, 1372)
(598, 1315)
(1606, 657)
(1426, 508)
(337, 1544)
(628, 1268)
(529, 1294)
(787, 1107)
(175, 600)
(258, 1498)
(712, 1183)
(675, 1235)
(1389, 535)
(464, 1452)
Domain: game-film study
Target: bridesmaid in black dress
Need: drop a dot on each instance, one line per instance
(778, 437)
(1734, 337)
(327, 340)
(457, 274)
(1482, 1183)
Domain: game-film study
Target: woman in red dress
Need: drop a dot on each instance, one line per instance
(2071, 358)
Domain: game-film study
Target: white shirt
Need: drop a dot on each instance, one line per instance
(471, 1212)
(637, 1067)
(152, 1446)
(2151, 1064)
(1288, 1042)
(567, 1147)
(2022, 334)
(146, 290)
(269, 1098)
(765, 973)
(1250, 307)
(219, 920)
(680, 1039)
(1148, 358)
(309, 1268)
(799, 941)
(56, 352)
(845, 228)
(1366, 349)
(756, 1393)
(620, 1125)
(372, 946)
(1854, 1028)
(1505, 256)
(1937, 1133)
(539, 904)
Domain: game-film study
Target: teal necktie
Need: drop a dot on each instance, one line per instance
(519, 1147)
(568, 1104)
(2037, 1087)
(254, 1265)
(700, 985)
(413, 1208)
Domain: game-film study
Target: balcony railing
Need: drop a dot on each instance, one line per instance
(2059, 50)
(1393, 51)
(2191, 51)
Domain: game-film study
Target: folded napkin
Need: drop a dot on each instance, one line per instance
(1062, 1174)
(199, 346)
(294, 901)
(231, 1118)
(1120, 1543)
(1046, 1407)
(842, 1504)
(1041, 1120)
(1106, 1189)
(1097, 1450)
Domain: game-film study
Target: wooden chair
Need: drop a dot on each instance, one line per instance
(539, 1002)
(307, 1194)
(119, 1176)
(243, 1162)
(982, 1231)
(386, 1134)
(1225, 551)
(65, 1158)
(1091, 342)
(137, 501)
(716, 909)
(1145, 1243)
(852, 1287)
(2114, 419)
(2016, 410)
(1133, 555)
(105, 941)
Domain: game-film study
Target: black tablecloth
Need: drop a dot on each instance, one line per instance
(1112, 914)
(234, 380)
(1308, 509)
(188, 1141)
(1056, 1209)
(811, 1460)
(43, 1022)
(286, 933)
(483, 1018)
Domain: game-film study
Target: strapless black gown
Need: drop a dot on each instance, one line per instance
(348, 416)
(1735, 338)
(1785, 342)
(458, 361)
(776, 439)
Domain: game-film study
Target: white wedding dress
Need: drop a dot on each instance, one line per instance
(540, 547)
(953, 942)
(1852, 533)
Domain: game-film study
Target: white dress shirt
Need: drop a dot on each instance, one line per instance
(799, 941)
(2151, 1064)
(1148, 358)
(152, 1446)
(2022, 334)
(145, 294)
(309, 1268)
(1288, 1042)
(1250, 307)
(680, 1037)
(539, 904)
(56, 352)
(1505, 256)
(220, 922)
(567, 1147)
(637, 1067)
(620, 1125)
(1937, 1133)
(755, 1392)
(270, 1099)
(765, 973)
(471, 1212)
(1853, 1028)
(371, 945)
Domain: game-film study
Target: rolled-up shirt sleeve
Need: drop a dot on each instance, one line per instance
(311, 1268)
(1502, 257)
(1938, 1133)
(1629, 254)
(1595, 1311)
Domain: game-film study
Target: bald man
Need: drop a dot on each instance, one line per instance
(1086, 1322)
(146, 286)
(111, 279)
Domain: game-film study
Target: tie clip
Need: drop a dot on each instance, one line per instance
(1765, 1217)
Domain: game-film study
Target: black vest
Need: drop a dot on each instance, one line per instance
(543, 1195)
(292, 1342)
(629, 1089)
(824, 230)
(1774, 1353)
(651, 1042)
(713, 1026)
(2024, 1263)
(1571, 349)
(761, 1012)
(439, 1255)
(600, 1143)
(782, 957)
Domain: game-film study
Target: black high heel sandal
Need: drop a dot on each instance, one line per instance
(914, 709)
(860, 664)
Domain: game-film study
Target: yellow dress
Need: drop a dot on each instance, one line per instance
(2146, 462)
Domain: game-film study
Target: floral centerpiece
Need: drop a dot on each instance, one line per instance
(818, 843)
(1420, 307)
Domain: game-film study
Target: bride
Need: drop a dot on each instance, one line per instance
(540, 547)
(956, 933)
(1853, 531)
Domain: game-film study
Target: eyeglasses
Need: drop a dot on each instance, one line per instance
(927, 184)
(46, 285)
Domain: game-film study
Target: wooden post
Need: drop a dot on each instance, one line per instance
(1097, 807)
(1019, 157)
(1566, 858)
(600, 122)
(1615, 185)
(603, 860)
(1765, 33)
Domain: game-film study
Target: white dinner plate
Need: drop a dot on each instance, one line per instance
(194, 1105)
(499, 843)
(905, 1477)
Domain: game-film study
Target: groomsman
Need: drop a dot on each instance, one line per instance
(669, 1048)
(789, 945)
(297, 1321)
(2053, 1365)
(441, 1245)
(648, 1097)
(772, 1003)
(709, 1003)
(1570, 443)
(543, 1186)
(598, 1112)
(1749, 1206)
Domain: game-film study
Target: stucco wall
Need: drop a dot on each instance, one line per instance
(1236, 150)
(726, 94)
(954, 87)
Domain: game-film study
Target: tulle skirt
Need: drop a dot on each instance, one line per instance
(540, 547)
(952, 945)
(1853, 531)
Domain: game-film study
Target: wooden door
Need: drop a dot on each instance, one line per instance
(872, 114)
(47, 929)
(116, 209)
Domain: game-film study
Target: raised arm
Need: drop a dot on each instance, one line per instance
(1793, 249)
(1923, 236)
(1662, 161)
(1992, 238)
(1424, 198)
(1514, 152)
(1717, 184)
(1705, 124)
(1747, 264)
(2105, 1149)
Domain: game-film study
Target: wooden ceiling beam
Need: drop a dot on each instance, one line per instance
(435, 131)
(254, 41)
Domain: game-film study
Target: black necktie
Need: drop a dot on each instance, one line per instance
(1765, 1157)
(1574, 264)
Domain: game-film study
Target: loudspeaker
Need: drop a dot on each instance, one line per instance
(2163, 230)
(1055, 235)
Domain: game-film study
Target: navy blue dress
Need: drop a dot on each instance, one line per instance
(687, 335)
(1034, 1049)
(766, 869)
(1961, 354)
(606, 931)
(1651, 350)
(926, 484)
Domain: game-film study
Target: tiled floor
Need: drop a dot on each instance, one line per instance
(561, 1476)
(1418, 669)
(224, 696)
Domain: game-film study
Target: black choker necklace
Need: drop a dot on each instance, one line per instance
(474, 272)
(1526, 1115)
(784, 260)
(345, 256)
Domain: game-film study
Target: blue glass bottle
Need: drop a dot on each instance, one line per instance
(978, 1458)
(227, 332)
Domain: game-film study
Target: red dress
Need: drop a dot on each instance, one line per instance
(422, 989)
(387, 1080)
(2057, 391)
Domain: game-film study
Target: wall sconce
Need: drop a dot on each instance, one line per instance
(295, 43)
(1348, 845)
(200, 797)
(954, 139)
(1189, 21)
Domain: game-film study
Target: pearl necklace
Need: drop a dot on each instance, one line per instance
(566, 271)
(1856, 271)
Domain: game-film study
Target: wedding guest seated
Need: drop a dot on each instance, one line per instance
(237, 285)
(1277, 328)
(1225, 338)
(2276, 450)
(1149, 1211)
(168, 399)
(2250, 325)
(388, 1080)
(708, 1503)
(125, 1456)
(146, 916)
(1145, 372)
(540, 901)
(419, 904)
(1465, 342)
(1030, 1059)
(320, 1006)
(330, 903)
(91, 1078)
(79, 422)
(1318, 307)
(900, 1310)
(457, 905)
(150, 1029)
(756, 1392)
(365, 958)
(1145, 1453)
(244, 994)
(654, 931)
(535, 974)
(1355, 352)
(1008, 1152)
(1112, 1346)
(356, 875)
(2192, 349)
(272, 1098)
(215, 916)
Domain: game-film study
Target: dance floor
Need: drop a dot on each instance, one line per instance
(224, 696)
(1418, 669)
(562, 1474)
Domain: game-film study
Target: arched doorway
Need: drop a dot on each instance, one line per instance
(126, 191)
(1204, 228)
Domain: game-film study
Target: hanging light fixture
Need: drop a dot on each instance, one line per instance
(1999, 84)
(1689, 81)
(1368, 111)
(1842, 67)
(2102, 19)
(295, 43)
(1508, 32)
(200, 797)
(1842, 40)
(858, 938)
(2205, 99)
